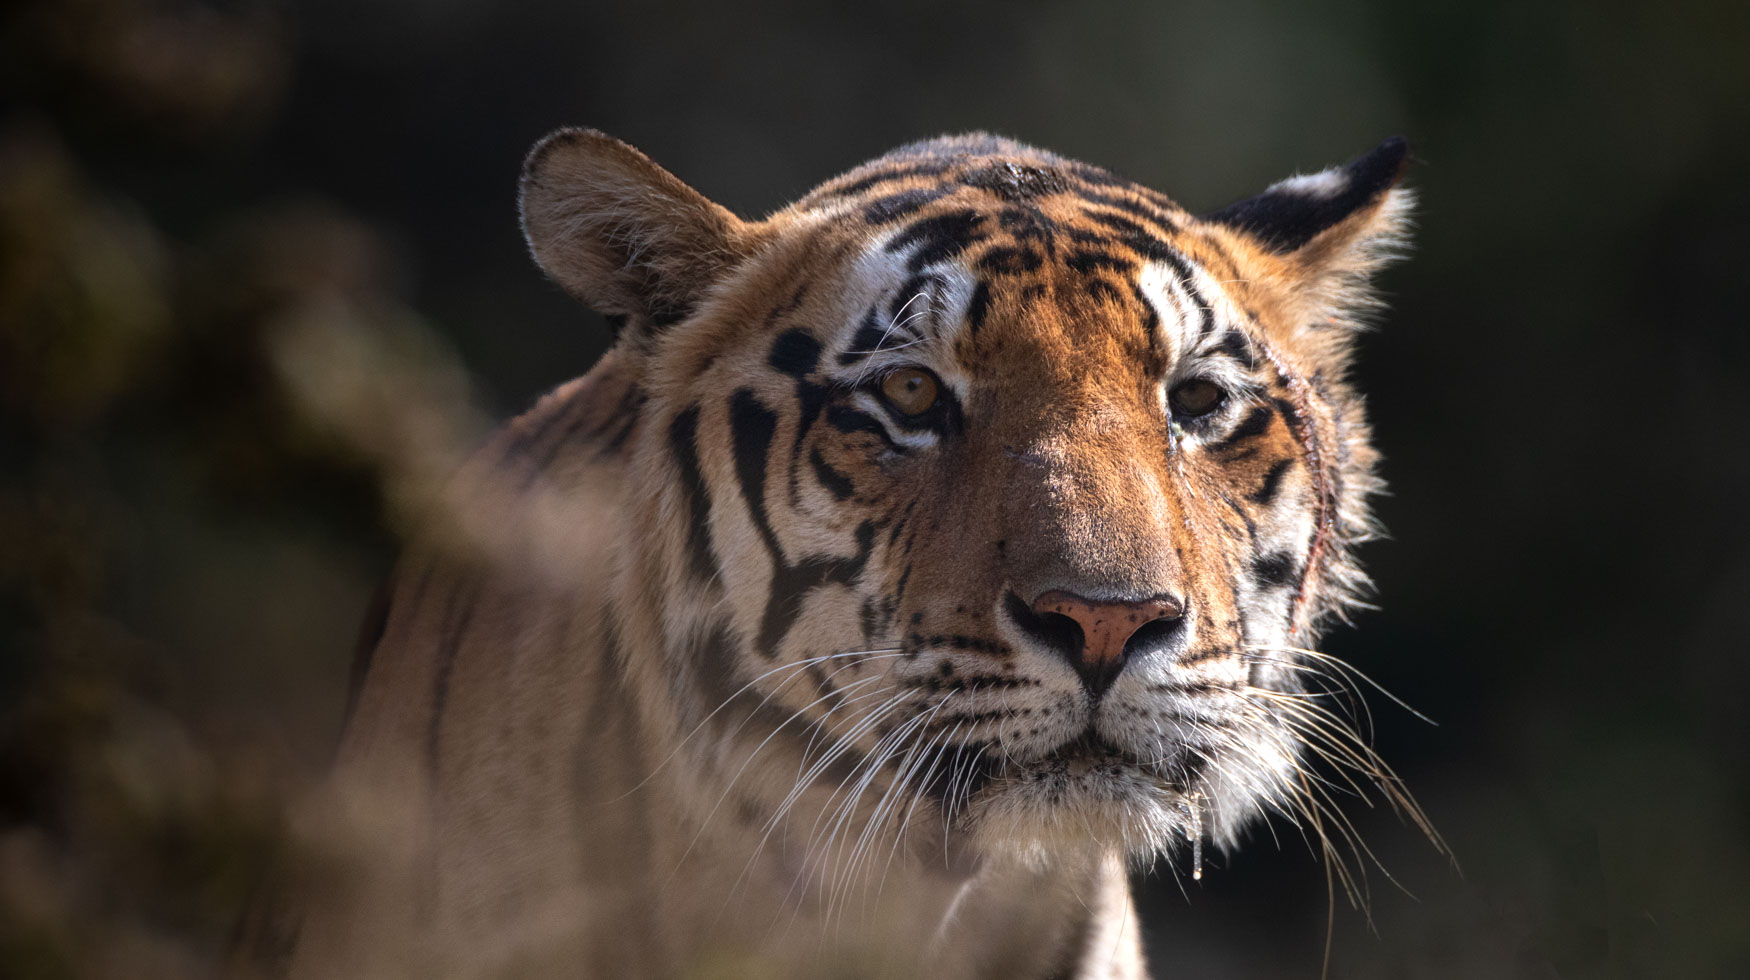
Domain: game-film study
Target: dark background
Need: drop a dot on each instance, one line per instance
(261, 283)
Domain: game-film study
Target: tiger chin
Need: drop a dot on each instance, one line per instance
(920, 558)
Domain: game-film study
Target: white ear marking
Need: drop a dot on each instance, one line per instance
(1324, 184)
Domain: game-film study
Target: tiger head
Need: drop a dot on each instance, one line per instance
(980, 495)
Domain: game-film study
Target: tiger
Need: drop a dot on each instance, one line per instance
(917, 562)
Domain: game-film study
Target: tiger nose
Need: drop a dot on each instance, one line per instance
(1106, 629)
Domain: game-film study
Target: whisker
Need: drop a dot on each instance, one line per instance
(935, 756)
(877, 653)
(832, 753)
(1351, 670)
(730, 786)
(888, 797)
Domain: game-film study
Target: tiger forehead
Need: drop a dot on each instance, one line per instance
(1046, 243)
(1039, 200)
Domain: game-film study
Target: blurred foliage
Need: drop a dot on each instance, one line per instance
(245, 248)
(199, 481)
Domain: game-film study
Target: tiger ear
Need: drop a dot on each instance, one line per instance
(621, 234)
(1334, 228)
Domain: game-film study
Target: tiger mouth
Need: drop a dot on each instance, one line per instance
(1089, 756)
(1082, 753)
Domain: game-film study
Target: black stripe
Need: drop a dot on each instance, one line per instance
(1289, 413)
(664, 311)
(903, 307)
(1276, 569)
(1026, 224)
(1204, 308)
(897, 173)
(894, 206)
(939, 237)
(526, 432)
(618, 441)
(716, 669)
(867, 339)
(1101, 289)
(791, 585)
(1117, 222)
(979, 306)
(1181, 267)
(1267, 490)
(851, 420)
(944, 680)
(1160, 219)
(752, 427)
(1086, 261)
(1151, 248)
(1253, 424)
(625, 412)
(1207, 312)
(1237, 346)
(824, 689)
(1137, 238)
(839, 484)
(1250, 525)
(1134, 237)
(809, 400)
(795, 353)
(1151, 317)
(960, 641)
(716, 674)
(899, 525)
(682, 441)
(1245, 518)
(790, 305)
(1007, 260)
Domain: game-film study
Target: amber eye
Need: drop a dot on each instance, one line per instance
(1196, 398)
(911, 390)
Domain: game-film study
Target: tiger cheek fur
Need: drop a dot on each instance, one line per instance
(957, 535)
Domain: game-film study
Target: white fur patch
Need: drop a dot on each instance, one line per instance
(1324, 184)
(919, 329)
(1160, 284)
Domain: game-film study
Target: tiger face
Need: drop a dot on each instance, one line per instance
(984, 502)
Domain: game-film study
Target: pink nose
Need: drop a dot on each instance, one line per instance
(1106, 627)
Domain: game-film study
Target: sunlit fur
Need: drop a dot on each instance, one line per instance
(717, 659)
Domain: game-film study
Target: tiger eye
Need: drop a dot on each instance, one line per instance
(1196, 398)
(911, 390)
